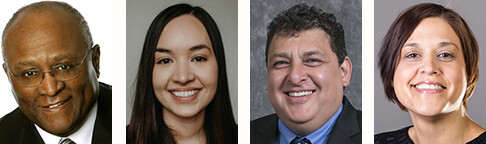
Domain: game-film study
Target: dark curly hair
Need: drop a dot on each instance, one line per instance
(302, 17)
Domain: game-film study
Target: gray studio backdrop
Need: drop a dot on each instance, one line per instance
(388, 116)
(141, 13)
(347, 12)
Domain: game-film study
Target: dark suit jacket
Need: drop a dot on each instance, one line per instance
(16, 128)
(346, 130)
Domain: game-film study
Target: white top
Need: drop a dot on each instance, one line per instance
(82, 136)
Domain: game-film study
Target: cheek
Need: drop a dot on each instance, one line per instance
(160, 78)
(320, 76)
(403, 75)
(326, 77)
(456, 75)
(24, 97)
(276, 78)
(208, 74)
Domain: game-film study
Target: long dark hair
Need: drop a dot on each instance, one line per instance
(147, 125)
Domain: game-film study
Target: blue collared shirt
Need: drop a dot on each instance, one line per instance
(319, 136)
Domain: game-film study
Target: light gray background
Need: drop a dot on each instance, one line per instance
(347, 12)
(141, 13)
(388, 116)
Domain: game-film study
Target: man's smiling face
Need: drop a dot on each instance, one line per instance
(305, 79)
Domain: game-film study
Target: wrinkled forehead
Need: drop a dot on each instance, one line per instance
(300, 42)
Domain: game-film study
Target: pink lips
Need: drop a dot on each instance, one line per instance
(428, 87)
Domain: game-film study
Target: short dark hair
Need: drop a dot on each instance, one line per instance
(146, 124)
(39, 7)
(301, 17)
(402, 28)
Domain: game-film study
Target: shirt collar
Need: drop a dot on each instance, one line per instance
(82, 136)
(319, 136)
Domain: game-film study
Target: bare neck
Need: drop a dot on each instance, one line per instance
(186, 130)
(454, 127)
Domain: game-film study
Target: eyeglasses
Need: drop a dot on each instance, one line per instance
(62, 72)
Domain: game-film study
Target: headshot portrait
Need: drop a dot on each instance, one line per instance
(428, 86)
(182, 72)
(56, 82)
(305, 72)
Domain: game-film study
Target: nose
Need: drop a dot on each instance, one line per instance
(297, 75)
(50, 86)
(183, 74)
(430, 66)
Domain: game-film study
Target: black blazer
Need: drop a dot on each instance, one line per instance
(16, 128)
(346, 130)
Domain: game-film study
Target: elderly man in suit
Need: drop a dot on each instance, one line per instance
(308, 69)
(53, 67)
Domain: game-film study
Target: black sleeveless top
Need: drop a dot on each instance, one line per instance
(401, 137)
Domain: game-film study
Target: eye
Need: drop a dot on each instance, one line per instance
(280, 64)
(63, 67)
(411, 55)
(30, 73)
(312, 60)
(199, 59)
(444, 55)
(165, 61)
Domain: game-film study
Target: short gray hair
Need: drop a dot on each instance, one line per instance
(40, 6)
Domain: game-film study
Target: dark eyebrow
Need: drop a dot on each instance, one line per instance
(58, 58)
(23, 64)
(67, 56)
(310, 53)
(443, 44)
(199, 47)
(162, 50)
(282, 55)
(411, 45)
(193, 48)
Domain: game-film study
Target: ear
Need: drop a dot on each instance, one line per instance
(96, 59)
(346, 70)
(6, 71)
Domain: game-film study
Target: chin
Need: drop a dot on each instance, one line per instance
(187, 113)
(428, 111)
(300, 118)
(60, 130)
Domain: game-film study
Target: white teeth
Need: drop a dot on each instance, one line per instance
(428, 86)
(184, 93)
(298, 94)
(56, 105)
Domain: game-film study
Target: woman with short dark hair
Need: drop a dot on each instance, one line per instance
(429, 67)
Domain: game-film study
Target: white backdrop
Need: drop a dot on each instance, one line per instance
(98, 14)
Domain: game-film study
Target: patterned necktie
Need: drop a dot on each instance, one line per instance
(66, 141)
(300, 140)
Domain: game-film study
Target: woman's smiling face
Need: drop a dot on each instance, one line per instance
(430, 78)
(185, 73)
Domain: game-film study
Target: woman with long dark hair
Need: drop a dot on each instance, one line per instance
(182, 91)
